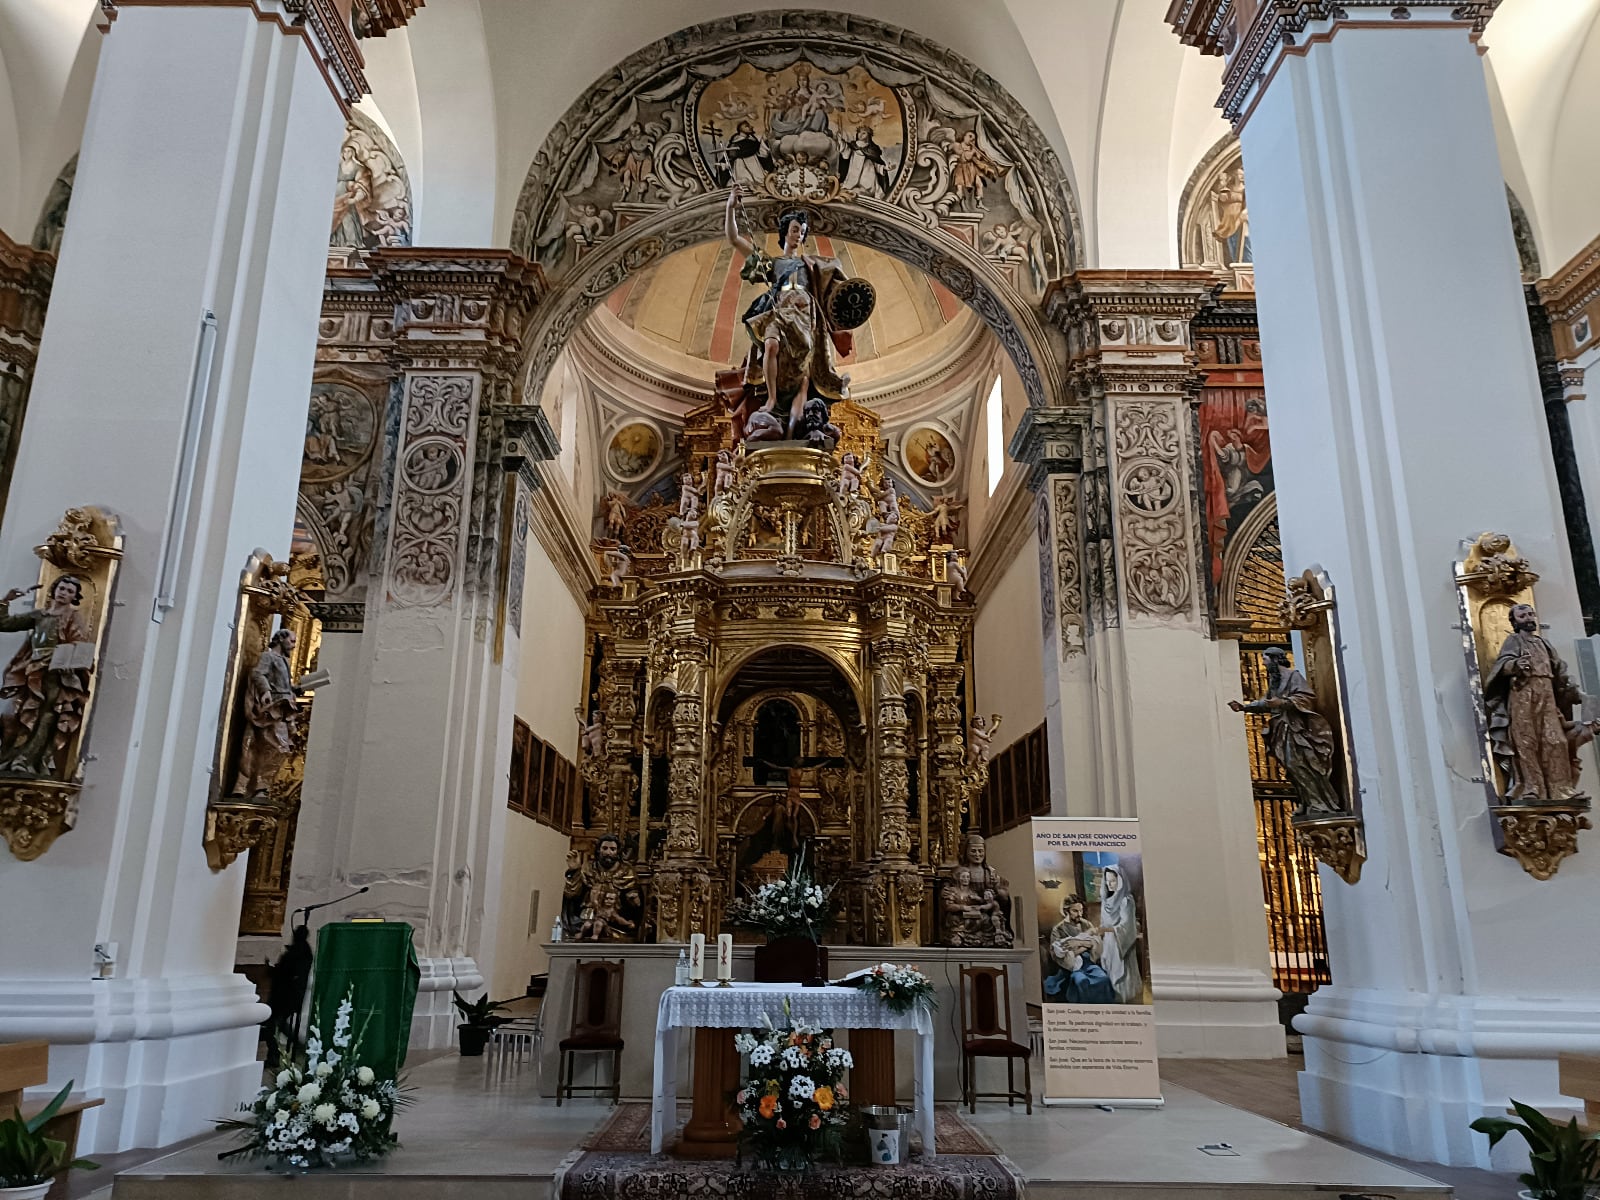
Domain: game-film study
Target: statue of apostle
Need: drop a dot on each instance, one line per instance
(979, 909)
(1528, 697)
(268, 706)
(588, 890)
(47, 699)
(1298, 736)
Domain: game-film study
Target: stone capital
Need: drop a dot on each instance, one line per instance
(1050, 441)
(460, 307)
(1254, 35)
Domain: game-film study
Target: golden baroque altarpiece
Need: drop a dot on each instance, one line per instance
(801, 678)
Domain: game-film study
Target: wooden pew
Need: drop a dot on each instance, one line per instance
(1580, 1077)
(27, 1064)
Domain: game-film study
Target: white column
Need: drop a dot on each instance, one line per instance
(1407, 417)
(203, 184)
(1135, 690)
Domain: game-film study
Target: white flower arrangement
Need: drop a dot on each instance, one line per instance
(787, 907)
(321, 1109)
(901, 988)
(793, 1106)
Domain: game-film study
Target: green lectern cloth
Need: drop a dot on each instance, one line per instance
(378, 962)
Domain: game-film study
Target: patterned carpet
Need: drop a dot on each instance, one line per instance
(615, 1164)
(628, 1132)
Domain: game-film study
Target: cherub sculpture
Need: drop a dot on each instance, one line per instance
(851, 469)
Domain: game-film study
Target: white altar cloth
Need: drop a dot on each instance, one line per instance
(744, 1005)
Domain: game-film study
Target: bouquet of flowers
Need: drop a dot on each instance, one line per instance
(901, 988)
(322, 1108)
(792, 906)
(792, 1103)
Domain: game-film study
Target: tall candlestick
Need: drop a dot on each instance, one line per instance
(697, 957)
(724, 957)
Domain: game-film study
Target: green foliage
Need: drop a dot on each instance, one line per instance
(27, 1156)
(479, 1013)
(1564, 1162)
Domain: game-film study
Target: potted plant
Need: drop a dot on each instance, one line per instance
(29, 1160)
(477, 1022)
(1564, 1162)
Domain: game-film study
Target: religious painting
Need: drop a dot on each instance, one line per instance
(372, 195)
(928, 454)
(1092, 936)
(801, 133)
(633, 451)
(1236, 464)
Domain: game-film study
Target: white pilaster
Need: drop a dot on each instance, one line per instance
(1407, 416)
(203, 184)
(1135, 690)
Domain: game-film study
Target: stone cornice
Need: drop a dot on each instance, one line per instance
(1012, 517)
(25, 278)
(1049, 441)
(1255, 34)
(566, 548)
(330, 29)
(460, 304)
(1574, 286)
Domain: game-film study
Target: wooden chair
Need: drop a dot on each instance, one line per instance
(986, 1033)
(596, 1027)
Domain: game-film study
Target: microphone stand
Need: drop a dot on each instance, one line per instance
(306, 917)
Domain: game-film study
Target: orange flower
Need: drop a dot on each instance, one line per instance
(769, 1106)
(824, 1097)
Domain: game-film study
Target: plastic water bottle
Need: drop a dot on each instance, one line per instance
(680, 977)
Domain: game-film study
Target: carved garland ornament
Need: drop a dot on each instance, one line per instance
(1068, 572)
(430, 491)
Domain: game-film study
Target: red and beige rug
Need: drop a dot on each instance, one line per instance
(615, 1163)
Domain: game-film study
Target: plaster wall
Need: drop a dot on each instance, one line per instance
(532, 856)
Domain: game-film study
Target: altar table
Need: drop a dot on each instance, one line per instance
(744, 1005)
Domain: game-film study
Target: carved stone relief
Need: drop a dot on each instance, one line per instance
(430, 489)
(1157, 561)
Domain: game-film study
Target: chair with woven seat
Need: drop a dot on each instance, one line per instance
(596, 1027)
(986, 1033)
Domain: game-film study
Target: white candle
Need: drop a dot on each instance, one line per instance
(697, 957)
(724, 956)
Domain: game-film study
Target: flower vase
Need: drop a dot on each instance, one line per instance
(791, 960)
(30, 1191)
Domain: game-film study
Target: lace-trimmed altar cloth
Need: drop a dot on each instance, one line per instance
(743, 1006)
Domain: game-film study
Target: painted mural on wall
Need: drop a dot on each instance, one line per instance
(1236, 464)
(372, 198)
(1214, 221)
(809, 109)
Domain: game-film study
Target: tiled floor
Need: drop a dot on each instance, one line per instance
(1271, 1090)
(469, 1136)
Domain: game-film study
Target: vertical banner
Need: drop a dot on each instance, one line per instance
(1099, 1025)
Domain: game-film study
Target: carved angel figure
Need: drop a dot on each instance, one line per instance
(979, 734)
(850, 469)
(945, 521)
(725, 473)
(619, 562)
(592, 735)
(614, 506)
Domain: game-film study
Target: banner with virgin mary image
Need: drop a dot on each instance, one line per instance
(1099, 1025)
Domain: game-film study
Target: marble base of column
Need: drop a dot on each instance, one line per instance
(713, 1128)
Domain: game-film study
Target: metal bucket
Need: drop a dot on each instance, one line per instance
(888, 1134)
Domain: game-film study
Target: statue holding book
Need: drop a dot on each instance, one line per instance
(47, 680)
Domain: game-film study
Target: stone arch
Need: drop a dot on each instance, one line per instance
(52, 224)
(968, 188)
(1252, 573)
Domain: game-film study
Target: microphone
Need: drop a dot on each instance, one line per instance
(311, 908)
